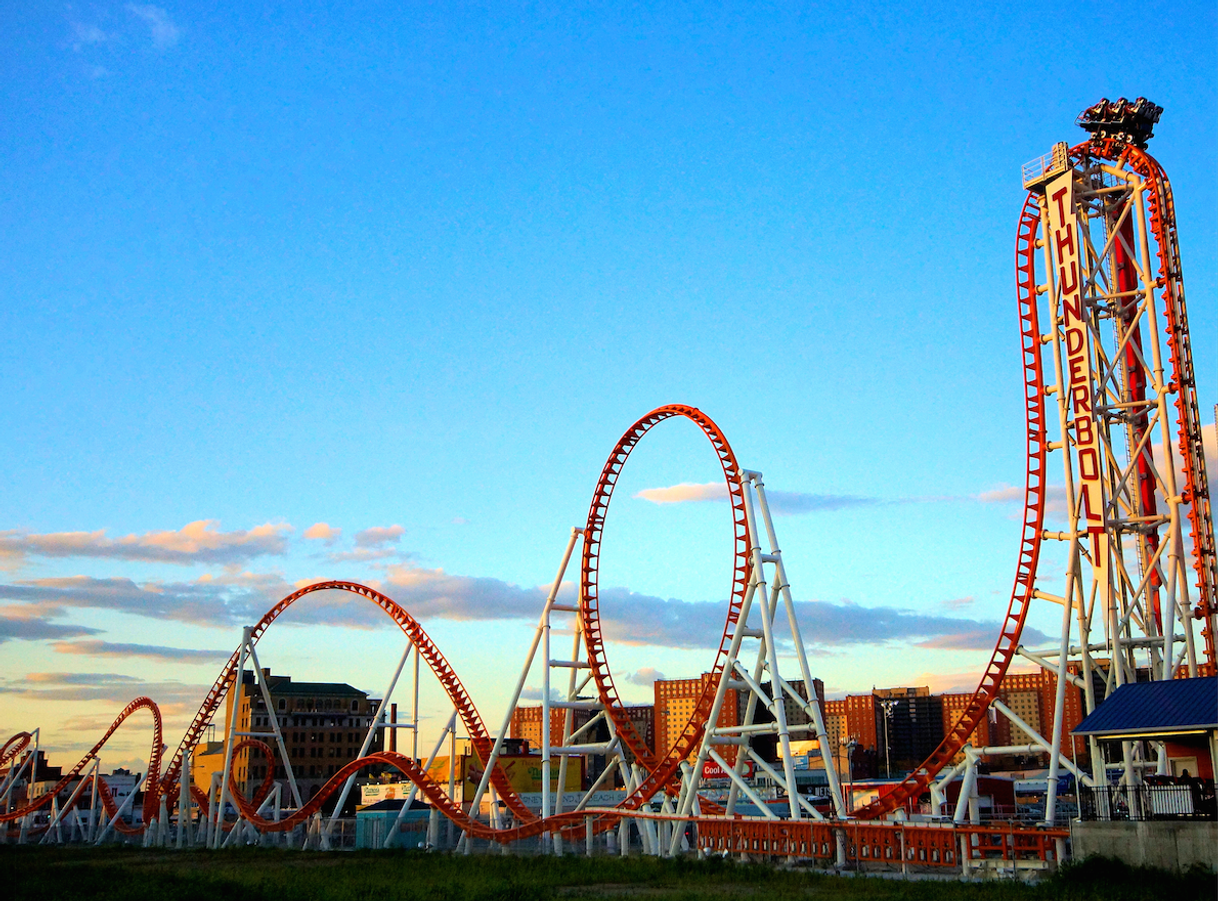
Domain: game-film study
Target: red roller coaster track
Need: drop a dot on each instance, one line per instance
(663, 768)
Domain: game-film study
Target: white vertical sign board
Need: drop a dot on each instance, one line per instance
(1064, 241)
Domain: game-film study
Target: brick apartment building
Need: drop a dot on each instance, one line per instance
(323, 726)
(675, 700)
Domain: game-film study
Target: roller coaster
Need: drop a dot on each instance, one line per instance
(1100, 296)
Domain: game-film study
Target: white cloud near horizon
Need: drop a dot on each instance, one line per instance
(646, 677)
(196, 542)
(782, 503)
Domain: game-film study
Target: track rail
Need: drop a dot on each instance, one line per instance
(663, 765)
(1195, 491)
(663, 768)
(151, 796)
(424, 646)
(1030, 543)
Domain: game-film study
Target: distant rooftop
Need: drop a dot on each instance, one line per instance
(283, 685)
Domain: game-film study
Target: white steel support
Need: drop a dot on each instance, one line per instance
(184, 799)
(369, 736)
(431, 759)
(540, 637)
(58, 813)
(234, 694)
(122, 809)
(768, 589)
(1102, 274)
(273, 715)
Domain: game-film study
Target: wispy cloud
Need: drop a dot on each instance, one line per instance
(85, 34)
(196, 542)
(685, 492)
(172, 697)
(228, 600)
(96, 648)
(378, 536)
(957, 603)
(161, 28)
(534, 693)
(77, 678)
(31, 628)
(225, 601)
(434, 593)
(782, 503)
(640, 619)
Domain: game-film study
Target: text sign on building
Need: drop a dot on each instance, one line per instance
(1064, 242)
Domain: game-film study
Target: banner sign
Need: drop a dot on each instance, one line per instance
(1064, 241)
(712, 770)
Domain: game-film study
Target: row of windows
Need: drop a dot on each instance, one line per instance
(331, 737)
(335, 704)
(357, 722)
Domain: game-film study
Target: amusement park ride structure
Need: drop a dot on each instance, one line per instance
(1099, 281)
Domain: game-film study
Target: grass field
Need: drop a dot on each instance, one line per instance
(49, 874)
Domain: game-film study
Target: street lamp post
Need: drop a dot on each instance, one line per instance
(889, 704)
(849, 744)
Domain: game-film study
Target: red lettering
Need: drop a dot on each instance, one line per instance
(1072, 287)
(1082, 399)
(1074, 343)
(1077, 370)
(1067, 241)
(1061, 207)
(1088, 463)
(1072, 308)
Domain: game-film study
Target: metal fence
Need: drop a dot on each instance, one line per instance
(1190, 801)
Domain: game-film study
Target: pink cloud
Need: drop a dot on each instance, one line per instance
(685, 493)
(783, 503)
(378, 536)
(96, 648)
(196, 542)
(321, 531)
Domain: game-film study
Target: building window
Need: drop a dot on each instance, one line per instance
(283, 705)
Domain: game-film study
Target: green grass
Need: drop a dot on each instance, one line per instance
(130, 874)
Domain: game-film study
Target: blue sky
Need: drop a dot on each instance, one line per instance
(409, 271)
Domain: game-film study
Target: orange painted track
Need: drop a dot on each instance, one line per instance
(151, 798)
(1195, 491)
(663, 768)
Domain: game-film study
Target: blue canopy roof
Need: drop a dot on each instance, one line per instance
(1170, 706)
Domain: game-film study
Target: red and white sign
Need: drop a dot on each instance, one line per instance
(1064, 242)
(712, 770)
